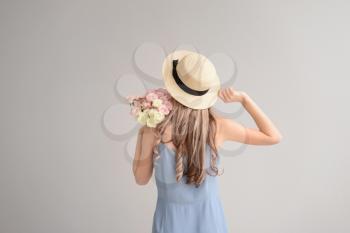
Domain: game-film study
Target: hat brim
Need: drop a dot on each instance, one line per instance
(192, 101)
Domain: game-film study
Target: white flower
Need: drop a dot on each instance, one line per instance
(154, 117)
(142, 117)
(157, 102)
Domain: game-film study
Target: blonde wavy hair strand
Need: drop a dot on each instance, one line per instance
(192, 130)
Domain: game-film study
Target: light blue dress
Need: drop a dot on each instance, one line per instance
(183, 208)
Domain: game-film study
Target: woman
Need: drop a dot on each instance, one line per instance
(186, 146)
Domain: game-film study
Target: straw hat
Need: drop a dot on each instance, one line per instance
(191, 79)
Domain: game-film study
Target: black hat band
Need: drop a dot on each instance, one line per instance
(183, 85)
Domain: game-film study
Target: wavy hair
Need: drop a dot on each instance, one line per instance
(192, 130)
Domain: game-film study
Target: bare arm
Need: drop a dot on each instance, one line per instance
(143, 159)
(228, 129)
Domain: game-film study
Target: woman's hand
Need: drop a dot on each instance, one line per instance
(229, 95)
(266, 134)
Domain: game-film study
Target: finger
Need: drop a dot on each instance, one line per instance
(226, 97)
(231, 93)
(220, 93)
(221, 96)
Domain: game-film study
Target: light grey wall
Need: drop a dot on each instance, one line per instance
(62, 171)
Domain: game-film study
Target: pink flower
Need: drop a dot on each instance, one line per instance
(147, 104)
(161, 92)
(135, 111)
(168, 105)
(136, 103)
(163, 109)
(151, 96)
(163, 97)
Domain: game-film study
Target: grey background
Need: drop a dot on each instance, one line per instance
(61, 172)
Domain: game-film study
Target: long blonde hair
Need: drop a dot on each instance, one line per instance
(192, 130)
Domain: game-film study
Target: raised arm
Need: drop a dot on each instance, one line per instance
(228, 129)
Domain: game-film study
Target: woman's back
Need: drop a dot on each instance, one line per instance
(192, 88)
(182, 207)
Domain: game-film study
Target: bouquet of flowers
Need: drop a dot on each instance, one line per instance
(151, 108)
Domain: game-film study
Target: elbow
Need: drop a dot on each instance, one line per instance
(142, 177)
(276, 139)
(141, 181)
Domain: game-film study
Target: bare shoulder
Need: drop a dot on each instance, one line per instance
(222, 121)
(220, 124)
(217, 117)
(228, 129)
